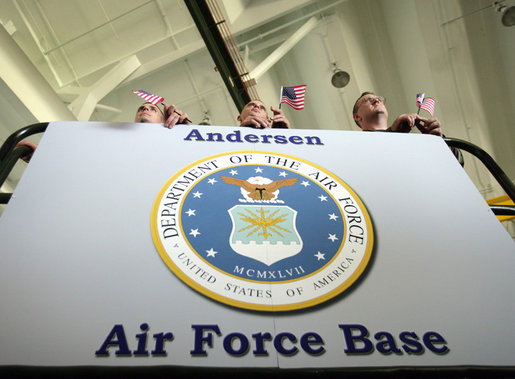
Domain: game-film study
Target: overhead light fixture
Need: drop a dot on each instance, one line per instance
(340, 78)
(508, 13)
(206, 120)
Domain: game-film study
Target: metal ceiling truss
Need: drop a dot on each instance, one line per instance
(223, 50)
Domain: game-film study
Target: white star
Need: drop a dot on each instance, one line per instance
(332, 216)
(197, 194)
(191, 212)
(259, 169)
(211, 252)
(212, 181)
(194, 232)
(320, 255)
(305, 183)
(332, 237)
(283, 174)
(322, 198)
(233, 172)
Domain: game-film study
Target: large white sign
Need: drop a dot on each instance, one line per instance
(132, 244)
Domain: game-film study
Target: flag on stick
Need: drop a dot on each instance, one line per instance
(420, 99)
(293, 96)
(154, 99)
(428, 104)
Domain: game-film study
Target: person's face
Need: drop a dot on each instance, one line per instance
(253, 108)
(370, 106)
(149, 112)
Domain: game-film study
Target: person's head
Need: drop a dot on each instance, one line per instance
(149, 112)
(369, 111)
(253, 108)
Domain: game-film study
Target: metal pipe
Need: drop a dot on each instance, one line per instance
(97, 27)
(471, 13)
(454, 70)
(492, 166)
(194, 85)
(19, 135)
(503, 210)
(8, 163)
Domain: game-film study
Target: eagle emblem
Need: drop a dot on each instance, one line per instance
(259, 188)
(265, 233)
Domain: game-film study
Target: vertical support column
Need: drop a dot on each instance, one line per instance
(215, 44)
(28, 84)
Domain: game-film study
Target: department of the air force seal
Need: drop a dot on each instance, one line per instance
(262, 231)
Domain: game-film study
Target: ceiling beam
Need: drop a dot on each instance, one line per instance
(164, 60)
(149, 65)
(36, 39)
(28, 84)
(285, 47)
(214, 41)
(108, 22)
(84, 105)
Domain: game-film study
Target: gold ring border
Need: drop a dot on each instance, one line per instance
(251, 306)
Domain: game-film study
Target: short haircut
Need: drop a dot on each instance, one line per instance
(355, 108)
(148, 102)
(261, 101)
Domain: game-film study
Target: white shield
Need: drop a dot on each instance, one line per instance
(265, 233)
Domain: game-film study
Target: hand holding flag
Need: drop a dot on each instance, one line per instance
(278, 119)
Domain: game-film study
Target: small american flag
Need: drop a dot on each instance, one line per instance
(428, 104)
(154, 99)
(420, 99)
(293, 96)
